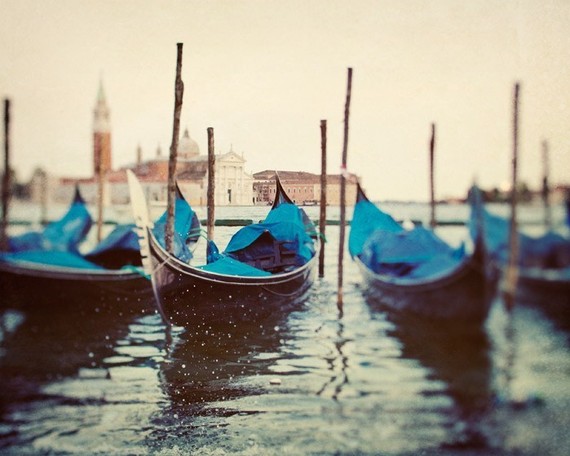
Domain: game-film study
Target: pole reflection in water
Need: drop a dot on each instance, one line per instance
(337, 361)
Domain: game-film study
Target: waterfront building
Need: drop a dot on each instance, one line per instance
(303, 188)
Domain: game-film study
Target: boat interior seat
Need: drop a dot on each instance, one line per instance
(280, 259)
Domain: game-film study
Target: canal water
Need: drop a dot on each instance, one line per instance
(108, 378)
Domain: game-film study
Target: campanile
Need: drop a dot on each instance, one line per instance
(101, 134)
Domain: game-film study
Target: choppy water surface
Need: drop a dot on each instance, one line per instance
(315, 381)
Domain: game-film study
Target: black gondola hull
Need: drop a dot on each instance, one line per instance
(463, 296)
(192, 298)
(31, 287)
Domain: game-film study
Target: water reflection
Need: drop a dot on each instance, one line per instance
(555, 306)
(44, 349)
(337, 362)
(204, 366)
(460, 357)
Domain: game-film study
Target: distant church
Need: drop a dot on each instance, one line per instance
(233, 185)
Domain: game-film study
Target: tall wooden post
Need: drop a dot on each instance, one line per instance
(511, 276)
(100, 198)
(211, 184)
(323, 203)
(178, 92)
(432, 221)
(545, 186)
(43, 198)
(6, 179)
(343, 194)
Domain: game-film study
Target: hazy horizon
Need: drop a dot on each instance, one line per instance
(263, 75)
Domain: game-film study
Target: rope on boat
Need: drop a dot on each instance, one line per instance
(136, 270)
(284, 295)
(158, 266)
(320, 235)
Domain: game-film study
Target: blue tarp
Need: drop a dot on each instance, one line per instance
(385, 247)
(415, 253)
(414, 246)
(293, 214)
(366, 219)
(186, 228)
(54, 258)
(58, 243)
(248, 242)
(285, 233)
(65, 235)
(120, 248)
(229, 266)
(117, 250)
(122, 237)
(549, 250)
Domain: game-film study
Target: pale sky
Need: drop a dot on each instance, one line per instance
(264, 73)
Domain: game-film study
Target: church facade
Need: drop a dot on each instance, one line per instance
(233, 185)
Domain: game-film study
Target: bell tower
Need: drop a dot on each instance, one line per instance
(101, 134)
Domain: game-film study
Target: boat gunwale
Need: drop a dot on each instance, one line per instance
(166, 259)
(30, 268)
(421, 284)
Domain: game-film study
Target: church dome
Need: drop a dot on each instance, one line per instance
(187, 147)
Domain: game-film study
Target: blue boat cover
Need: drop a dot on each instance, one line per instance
(222, 264)
(120, 248)
(290, 212)
(367, 218)
(282, 242)
(64, 235)
(416, 253)
(550, 250)
(187, 228)
(229, 266)
(247, 242)
(385, 247)
(53, 258)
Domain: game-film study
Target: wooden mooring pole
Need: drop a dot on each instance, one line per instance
(178, 93)
(44, 198)
(511, 275)
(323, 203)
(432, 220)
(546, 186)
(211, 184)
(6, 179)
(100, 198)
(343, 194)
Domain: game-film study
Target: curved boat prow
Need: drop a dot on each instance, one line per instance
(142, 220)
(280, 194)
(360, 195)
(282, 198)
(144, 225)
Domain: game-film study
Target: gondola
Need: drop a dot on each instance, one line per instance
(416, 272)
(543, 266)
(265, 268)
(41, 266)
